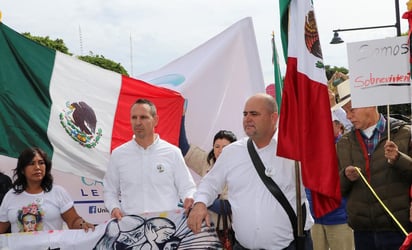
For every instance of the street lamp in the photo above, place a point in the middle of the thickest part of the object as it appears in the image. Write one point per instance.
(336, 38)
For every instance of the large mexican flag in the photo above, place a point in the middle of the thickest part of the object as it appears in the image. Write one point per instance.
(305, 122)
(75, 111)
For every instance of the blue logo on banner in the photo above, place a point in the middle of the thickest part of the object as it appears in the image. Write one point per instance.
(92, 209)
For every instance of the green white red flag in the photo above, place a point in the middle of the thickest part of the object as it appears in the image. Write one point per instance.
(75, 111)
(305, 123)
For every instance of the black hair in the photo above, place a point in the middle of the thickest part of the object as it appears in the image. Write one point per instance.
(25, 158)
(222, 134)
(153, 110)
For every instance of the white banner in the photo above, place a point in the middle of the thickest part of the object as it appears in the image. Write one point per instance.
(379, 72)
(216, 78)
(166, 230)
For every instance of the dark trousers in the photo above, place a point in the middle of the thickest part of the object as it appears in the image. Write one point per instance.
(370, 240)
(292, 246)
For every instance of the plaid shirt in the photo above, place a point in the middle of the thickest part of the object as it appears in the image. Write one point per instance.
(376, 135)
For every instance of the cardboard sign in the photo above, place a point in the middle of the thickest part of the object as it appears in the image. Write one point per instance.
(379, 72)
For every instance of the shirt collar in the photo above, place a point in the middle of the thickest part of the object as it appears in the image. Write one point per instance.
(156, 141)
(379, 127)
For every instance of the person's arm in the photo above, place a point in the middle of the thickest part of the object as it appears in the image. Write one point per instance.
(351, 173)
(67, 210)
(187, 204)
(75, 221)
(183, 142)
(398, 151)
(111, 189)
(347, 172)
(116, 213)
(195, 157)
(197, 215)
(184, 181)
(5, 185)
(4, 227)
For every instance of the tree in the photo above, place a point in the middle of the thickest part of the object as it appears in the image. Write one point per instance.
(331, 71)
(97, 60)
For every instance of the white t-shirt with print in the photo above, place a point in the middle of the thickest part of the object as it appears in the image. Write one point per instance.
(47, 206)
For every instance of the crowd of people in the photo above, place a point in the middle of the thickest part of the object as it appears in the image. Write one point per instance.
(148, 174)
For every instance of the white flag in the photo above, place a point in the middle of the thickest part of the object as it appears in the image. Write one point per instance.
(216, 78)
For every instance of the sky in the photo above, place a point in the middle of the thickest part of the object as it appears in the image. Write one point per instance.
(144, 35)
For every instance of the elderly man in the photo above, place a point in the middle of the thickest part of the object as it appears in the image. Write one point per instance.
(386, 165)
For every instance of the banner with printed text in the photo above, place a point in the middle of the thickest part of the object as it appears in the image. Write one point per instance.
(379, 72)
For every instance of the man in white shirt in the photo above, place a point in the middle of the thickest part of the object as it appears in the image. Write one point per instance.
(146, 174)
(259, 220)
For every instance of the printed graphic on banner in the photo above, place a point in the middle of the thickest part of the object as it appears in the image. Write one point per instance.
(165, 230)
(157, 232)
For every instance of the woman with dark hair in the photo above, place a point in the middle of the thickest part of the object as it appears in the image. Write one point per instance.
(202, 163)
(221, 140)
(220, 205)
(34, 194)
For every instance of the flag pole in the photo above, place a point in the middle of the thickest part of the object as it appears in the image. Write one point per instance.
(389, 127)
(278, 81)
(389, 124)
(299, 215)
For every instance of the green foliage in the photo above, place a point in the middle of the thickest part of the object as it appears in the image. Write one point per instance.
(97, 60)
(57, 44)
(102, 62)
(330, 71)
